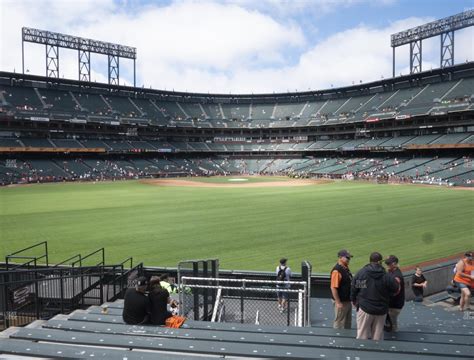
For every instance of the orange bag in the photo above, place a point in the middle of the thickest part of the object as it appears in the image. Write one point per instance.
(175, 321)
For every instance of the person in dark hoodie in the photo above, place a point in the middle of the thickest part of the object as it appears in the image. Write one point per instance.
(397, 301)
(136, 306)
(159, 299)
(371, 290)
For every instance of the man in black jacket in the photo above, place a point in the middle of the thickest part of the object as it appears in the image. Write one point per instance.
(370, 293)
(136, 306)
(397, 301)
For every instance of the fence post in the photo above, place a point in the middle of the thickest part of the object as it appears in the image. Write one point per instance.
(196, 293)
(61, 287)
(242, 302)
(6, 316)
(300, 309)
(288, 311)
(37, 305)
(205, 293)
(306, 270)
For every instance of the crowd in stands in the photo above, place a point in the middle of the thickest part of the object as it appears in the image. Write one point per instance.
(457, 172)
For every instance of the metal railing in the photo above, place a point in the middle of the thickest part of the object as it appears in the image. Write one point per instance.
(29, 294)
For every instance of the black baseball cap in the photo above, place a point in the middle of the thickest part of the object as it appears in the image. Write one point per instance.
(344, 253)
(468, 254)
(392, 259)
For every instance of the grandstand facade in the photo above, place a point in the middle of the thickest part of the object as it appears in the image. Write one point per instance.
(418, 127)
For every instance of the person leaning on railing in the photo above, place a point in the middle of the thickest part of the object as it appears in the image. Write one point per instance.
(418, 284)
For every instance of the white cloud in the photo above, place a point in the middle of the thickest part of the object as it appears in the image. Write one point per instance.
(211, 46)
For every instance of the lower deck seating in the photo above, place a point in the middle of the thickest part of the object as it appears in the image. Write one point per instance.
(89, 333)
(445, 170)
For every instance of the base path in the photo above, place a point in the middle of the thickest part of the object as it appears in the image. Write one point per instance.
(263, 184)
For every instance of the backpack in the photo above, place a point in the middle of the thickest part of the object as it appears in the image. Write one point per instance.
(281, 276)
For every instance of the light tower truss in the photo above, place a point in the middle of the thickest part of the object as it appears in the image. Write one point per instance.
(444, 27)
(53, 41)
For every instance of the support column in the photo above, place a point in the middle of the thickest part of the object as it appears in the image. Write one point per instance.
(447, 49)
(415, 56)
(52, 61)
(113, 70)
(84, 58)
(393, 61)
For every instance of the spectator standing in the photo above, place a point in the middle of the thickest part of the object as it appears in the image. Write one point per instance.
(283, 273)
(136, 307)
(370, 292)
(418, 284)
(341, 279)
(397, 301)
(464, 279)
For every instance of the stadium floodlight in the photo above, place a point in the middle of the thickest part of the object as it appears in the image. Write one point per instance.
(53, 41)
(444, 27)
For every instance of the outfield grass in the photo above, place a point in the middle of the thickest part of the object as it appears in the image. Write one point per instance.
(246, 228)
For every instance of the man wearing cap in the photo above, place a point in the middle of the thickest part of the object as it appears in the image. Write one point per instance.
(136, 306)
(397, 301)
(371, 289)
(464, 279)
(341, 279)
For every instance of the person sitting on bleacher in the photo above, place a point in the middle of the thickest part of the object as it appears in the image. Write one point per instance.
(136, 307)
(165, 284)
(159, 300)
(464, 279)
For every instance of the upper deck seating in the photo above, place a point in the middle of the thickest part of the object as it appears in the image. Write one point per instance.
(193, 110)
(239, 112)
(451, 138)
(66, 143)
(9, 142)
(422, 140)
(22, 98)
(30, 142)
(93, 103)
(122, 105)
(288, 111)
(262, 111)
(60, 101)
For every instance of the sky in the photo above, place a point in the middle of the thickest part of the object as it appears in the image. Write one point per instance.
(234, 46)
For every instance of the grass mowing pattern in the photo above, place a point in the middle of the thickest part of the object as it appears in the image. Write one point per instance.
(249, 228)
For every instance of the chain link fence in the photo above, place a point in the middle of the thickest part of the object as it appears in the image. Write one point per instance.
(244, 301)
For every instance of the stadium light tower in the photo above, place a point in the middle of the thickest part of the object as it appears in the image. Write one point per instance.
(53, 41)
(444, 27)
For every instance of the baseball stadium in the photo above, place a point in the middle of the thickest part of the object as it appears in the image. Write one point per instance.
(104, 183)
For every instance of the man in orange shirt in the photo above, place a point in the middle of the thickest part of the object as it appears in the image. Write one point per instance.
(341, 279)
(464, 279)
